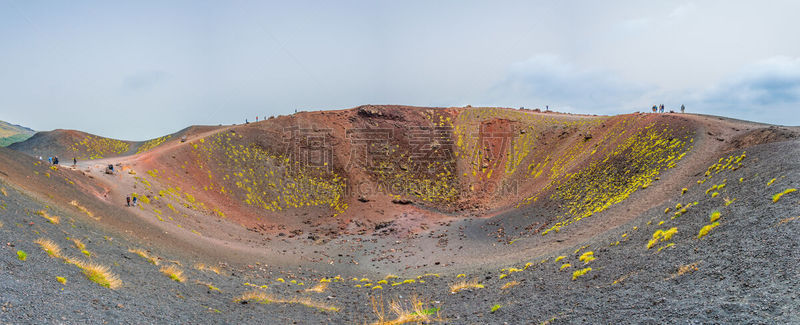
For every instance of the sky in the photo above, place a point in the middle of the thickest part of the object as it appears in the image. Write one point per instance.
(138, 70)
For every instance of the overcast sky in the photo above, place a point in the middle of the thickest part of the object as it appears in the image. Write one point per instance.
(142, 69)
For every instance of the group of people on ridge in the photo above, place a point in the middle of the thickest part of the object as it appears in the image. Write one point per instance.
(660, 108)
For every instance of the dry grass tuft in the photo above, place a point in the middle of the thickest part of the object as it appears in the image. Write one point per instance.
(81, 246)
(465, 285)
(264, 298)
(97, 273)
(78, 244)
(622, 278)
(319, 288)
(51, 219)
(253, 296)
(415, 313)
(685, 269)
(209, 285)
(173, 272)
(49, 246)
(101, 275)
(143, 254)
(786, 220)
(203, 267)
(83, 209)
(509, 285)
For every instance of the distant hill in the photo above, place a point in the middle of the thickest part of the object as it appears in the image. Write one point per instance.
(85, 146)
(12, 133)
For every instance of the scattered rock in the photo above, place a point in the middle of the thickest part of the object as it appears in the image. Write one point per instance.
(401, 201)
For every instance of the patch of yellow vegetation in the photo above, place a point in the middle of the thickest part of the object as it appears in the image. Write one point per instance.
(606, 181)
(706, 229)
(778, 196)
(661, 236)
(715, 216)
(271, 181)
(150, 144)
(587, 257)
(94, 147)
(579, 273)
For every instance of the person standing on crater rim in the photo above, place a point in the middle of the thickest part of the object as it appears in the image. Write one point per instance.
(683, 108)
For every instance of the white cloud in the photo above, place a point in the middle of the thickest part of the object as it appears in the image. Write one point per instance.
(682, 11)
(144, 79)
(766, 91)
(548, 80)
(635, 24)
